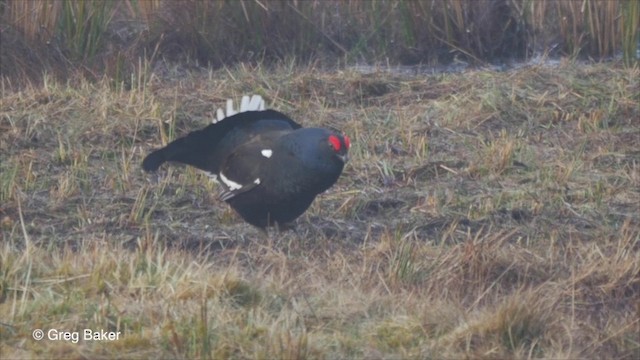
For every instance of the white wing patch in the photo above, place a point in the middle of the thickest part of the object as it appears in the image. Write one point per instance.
(234, 188)
(212, 176)
(267, 153)
(255, 103)
(232, 185)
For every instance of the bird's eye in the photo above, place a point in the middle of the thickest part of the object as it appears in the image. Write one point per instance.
(334, 142)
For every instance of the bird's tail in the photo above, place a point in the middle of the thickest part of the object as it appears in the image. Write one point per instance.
(153, 161)
(255, 103)
(193, 148)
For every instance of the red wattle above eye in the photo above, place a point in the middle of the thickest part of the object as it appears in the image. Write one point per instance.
(335, 142)
(347, 141)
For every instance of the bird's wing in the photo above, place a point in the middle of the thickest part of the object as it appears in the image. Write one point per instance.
(241, 171)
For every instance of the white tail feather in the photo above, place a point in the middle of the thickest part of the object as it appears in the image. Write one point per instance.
(255, 103)
(230, 111)
(244, 104)
(219, 115)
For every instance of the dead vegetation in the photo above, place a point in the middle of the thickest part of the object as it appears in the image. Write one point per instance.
(99, 37)
(483, 215)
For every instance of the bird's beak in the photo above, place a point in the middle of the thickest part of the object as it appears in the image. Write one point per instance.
(344, 158)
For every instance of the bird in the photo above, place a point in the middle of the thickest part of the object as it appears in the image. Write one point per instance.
(270, 168)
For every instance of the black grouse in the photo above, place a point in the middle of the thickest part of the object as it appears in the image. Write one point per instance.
(271, 169)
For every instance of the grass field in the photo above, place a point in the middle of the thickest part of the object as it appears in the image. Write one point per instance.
(482, 215)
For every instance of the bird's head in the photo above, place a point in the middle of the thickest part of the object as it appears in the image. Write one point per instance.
(340, 145)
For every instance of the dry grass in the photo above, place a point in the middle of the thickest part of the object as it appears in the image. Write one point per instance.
(483, 215)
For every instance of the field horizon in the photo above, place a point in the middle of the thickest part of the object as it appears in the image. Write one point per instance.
(483, 214)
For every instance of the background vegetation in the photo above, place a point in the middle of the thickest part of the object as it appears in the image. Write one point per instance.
(110, 36)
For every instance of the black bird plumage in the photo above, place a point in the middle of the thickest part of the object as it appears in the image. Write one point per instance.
(271, 169)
